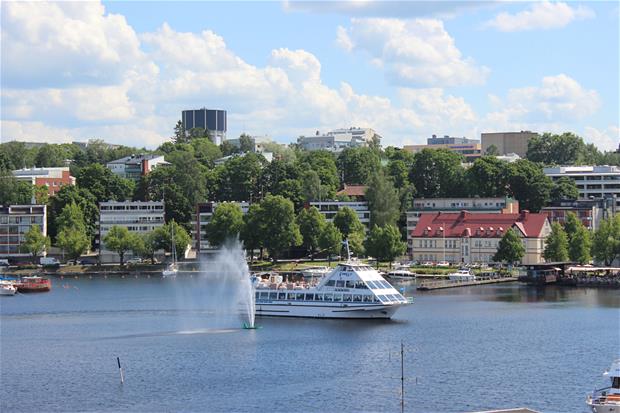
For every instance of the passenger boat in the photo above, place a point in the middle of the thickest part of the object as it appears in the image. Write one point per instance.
(401, 273)
(607, 399)
(33, 284)
(463, 274)
(351, 290)
(7, 288)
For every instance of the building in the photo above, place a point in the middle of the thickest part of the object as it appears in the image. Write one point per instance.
(258, 143)
(15, 221)
(138, 217)
(211, 120)
(592, 181)
(135, 166)
(330, 208)
(467, 238)
(589, 211)
(445, 205)
(202, 217)
(355, 192)
(507, 142)
(469, 148)
(53, 178)
(339, 139)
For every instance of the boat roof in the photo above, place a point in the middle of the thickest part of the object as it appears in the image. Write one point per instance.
(614, 370)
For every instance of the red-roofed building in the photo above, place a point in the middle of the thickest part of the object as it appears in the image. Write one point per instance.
(354, 191)
(468, 238)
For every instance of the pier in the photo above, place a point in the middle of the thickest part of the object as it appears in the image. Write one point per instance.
(441, 284)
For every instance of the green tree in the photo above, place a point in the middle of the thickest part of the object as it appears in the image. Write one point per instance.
(492, 151)
(104, 184)
(35, 242)
(205, 151)
(571, 224)
(399, 172)
(357, 164)
(278, 218)
(41, 194)
(510, 248)
(488, 177)
(324, 164)
(383, 201)
(579, 245)
(564, 188)
(529, 185)
(14, 192)
(228, 148)
(437, 173)
(347, 222)
(606, 241)
(226, 223)
(50, 156)
(71, 217)
(556, 244)
(548, 149)
(181, 238)
(330, 240)
(147, 244)
(311, 223)
(179, 133)
(385, 244)
(311, 186)
(74, 242)
(246, 143)
(253, 229)
(238, 179)
(120, 240)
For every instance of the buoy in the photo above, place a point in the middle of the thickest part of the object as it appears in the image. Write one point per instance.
(120, 369)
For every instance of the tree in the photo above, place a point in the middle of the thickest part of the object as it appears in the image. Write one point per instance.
(510, 248)
(311, 223)
(181, 238)
(41, 194)
(330, 240)
(385, 243)
(311, 186)
(488, 177)
(238, 179)
(492, 151)
(14, 192)
(571, 224)
(104, 184)
(71, 217)
(278, 219)
(253, 229)
(564, 188)
(564, 149)
(556, 244)
(383, 201)
(324, 164)
(399, 172)
(226, 223)
(228, 148)
(50, 156)
(357, 164)
(579, 245)
(146, 245)
(179, 133)
(528, 184)
(74, 242)
(246, 143)
(437, 173)
(205, 151)
(35, 242)
(606, 241)
(347, 222)
(120, 240)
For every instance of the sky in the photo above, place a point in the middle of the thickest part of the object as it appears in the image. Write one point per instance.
(124, 71)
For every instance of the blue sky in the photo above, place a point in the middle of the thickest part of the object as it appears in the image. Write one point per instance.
(123, 71)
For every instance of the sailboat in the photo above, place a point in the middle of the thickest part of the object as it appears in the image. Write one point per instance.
(172, 270)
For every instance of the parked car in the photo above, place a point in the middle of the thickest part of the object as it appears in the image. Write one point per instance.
(4, 263)
(427, 264)
(135, 260)
(443, 264)
(49, 262)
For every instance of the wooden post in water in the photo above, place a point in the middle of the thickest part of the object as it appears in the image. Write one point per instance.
(120, 369)
(402, 378)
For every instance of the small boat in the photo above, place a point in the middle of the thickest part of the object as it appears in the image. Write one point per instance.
(463, 274)
(33, 284)
(607, 399)
(7, 288)
(401, 273)
(314, 272)
(171, 270)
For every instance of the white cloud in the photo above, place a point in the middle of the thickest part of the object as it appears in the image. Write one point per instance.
(540, 16)
(606, 139)
(416, 52)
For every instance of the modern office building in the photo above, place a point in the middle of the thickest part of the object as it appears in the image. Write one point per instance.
(592, 181)
(330, 208)
(469, 148)
(450, 140)
(212, 120)
(446, 205)
(339, 139)
(589, 211)
(15, 221)
(138, 217)
(507, 142)
(465, 238)
(53, 178)
(135, 166)
(204, 213)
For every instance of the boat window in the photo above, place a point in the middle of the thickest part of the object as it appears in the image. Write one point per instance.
(350, 284)
(616, 383)
(360, 285)
(264, 295)
(383, 298)
(281, 296)
(376, 299)
(339, 283)
(329, 297)
(401, 297)
(256, 294)
(299, 296)
(368, 298)
(330, 283)
(393, 297)
(318, 297)
(357, 298)
(273, 296)
(385, 284)
(337, 297)
(309, 297)
(347, 297)
(372, 285)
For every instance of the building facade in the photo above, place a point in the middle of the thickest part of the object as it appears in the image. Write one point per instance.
(15, 222)
(53, 178)
(330, 208)
(212, 120)
(507, 142)
(339, 139)
(204, 213)
(593, 182)
(466, 238)
(138, 217)
(469, 148)
(445, 205)
(135, 166)
(589, 211)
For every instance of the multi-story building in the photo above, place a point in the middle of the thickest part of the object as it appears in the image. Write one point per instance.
(330, 208)
(135, 166)
(211, 120)
(473, 238)
(589, 211)
(469, 148)
(138, 217)
(204, 213)
(592, 181)
(258, 143)
(53, 178)
(507, 142)
(339, 139)
(445, 205)
(15, 221)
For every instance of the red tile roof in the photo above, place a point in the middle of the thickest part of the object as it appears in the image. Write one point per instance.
(476, 225)
(353, 190)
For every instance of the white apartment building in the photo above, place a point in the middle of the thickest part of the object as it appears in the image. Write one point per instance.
(135, 166)
(138, 217)
(444, 205)
(204, 213)
(592, 181)
(15, 222)
(339, 139)
(330, 208)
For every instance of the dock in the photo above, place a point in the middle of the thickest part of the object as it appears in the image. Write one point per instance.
(440, 284)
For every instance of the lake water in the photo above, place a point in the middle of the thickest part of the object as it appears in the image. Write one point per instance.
(466, 349)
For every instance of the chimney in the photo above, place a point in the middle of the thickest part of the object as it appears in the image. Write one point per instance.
(524, 214)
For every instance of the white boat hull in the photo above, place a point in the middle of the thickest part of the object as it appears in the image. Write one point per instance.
(604, 408)
(316, 310)
(9, 290)
(169, 273)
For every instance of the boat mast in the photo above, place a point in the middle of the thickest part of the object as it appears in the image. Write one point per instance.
(402, 378)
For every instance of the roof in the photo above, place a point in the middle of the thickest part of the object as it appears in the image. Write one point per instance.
(353, 190)
(134, 159)
(467, 224)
